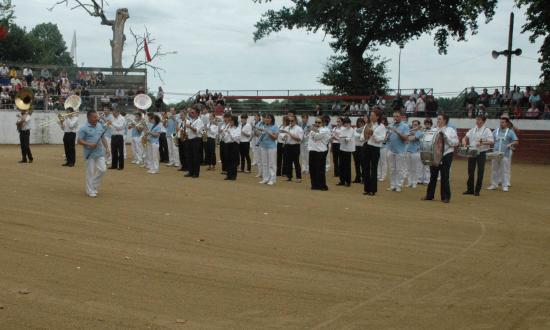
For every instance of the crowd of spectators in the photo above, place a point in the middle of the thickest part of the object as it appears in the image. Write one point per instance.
(517, 104)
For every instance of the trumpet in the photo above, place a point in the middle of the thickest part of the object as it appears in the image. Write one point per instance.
(72, 102)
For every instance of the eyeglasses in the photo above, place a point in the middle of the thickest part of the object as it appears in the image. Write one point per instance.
(318, 122)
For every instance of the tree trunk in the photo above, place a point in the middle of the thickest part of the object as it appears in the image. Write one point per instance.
(356, 63)
(117, 44)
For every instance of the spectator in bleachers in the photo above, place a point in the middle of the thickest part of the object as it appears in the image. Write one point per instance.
(495, 100)
(517, 113)
(431, 107)
(45, 74)
(546, 113)
(414, 94)
(517, 96)
(4, 71)
(364, 109)
(13, 73)
(420, 110)
(484, 98)
(28, 75)
(160, 99)
(472, 97)
(533, 112)
(410, 106)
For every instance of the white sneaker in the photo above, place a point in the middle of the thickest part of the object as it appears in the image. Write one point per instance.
(381, 180)
(152, 172)
(505, 189)
(398, 189)
(413, 186)
(92, 195)
(270, 183)
(491, 187)
(169, 164)
(263, 182)
(390, 189)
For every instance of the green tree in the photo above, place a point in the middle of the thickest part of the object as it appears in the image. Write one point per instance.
(372, 74)
(48, 45)
(6, 13)
(538, 24)
(17, 46)
(356, 26)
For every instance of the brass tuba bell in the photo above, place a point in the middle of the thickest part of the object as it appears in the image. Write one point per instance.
(24, 99)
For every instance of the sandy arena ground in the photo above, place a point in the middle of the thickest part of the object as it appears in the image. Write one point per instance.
(163, 251)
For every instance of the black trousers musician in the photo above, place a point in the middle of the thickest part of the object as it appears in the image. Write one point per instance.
(335, 149)
(163, 149)
(317, 170)
(473, 163)
(370, 169)
(210, 154)
(231, 159)
(24, 140)
(444, 169)
(280, 157)
(194, 157)
(117, 152)
(244, 152)
(291, 158)
(69, 139)
(358, 162)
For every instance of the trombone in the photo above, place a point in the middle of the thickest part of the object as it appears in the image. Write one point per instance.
(72, 102)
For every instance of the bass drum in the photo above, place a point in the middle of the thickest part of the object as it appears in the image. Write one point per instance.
(431, 148)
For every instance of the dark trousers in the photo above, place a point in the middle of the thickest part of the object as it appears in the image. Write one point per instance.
(203, 152)
(222, 156)
(210, 157)
(317, 169)
(182, 148)
(117, 151)
(445, 169)
(291, 157)
(358, 160)
(194, 156)
(335, 158)
(280, 156)
(244, 151)
(232, 159)
(69, 139)
(344, 160)
(478, 162)
(370, 168)
(163, 149)
(24, 140)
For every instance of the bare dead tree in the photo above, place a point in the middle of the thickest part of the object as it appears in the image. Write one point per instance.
(139, 60)
(95, 8)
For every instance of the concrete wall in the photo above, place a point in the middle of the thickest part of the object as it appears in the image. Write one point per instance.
(54, 135)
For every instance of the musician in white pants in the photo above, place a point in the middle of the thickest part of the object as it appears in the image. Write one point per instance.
(137, 147)
(254, 142)
(424, 170)
(153, 155)
(108, 117)
(505, 139)
(92, 137)
(304, 152)
(173, 150)
(397, 154)
(414, 165)
(268, 149)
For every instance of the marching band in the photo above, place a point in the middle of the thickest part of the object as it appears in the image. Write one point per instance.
(419, 154)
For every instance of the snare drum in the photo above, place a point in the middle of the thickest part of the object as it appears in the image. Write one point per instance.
(495, 155)
(431, 148)
(468, 152)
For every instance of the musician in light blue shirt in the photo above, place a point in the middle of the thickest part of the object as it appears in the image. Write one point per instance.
(173, 150)
(153, 134)
(268, 150)
(397, 148)
(96, 147)
(414, 164)
(505, 139)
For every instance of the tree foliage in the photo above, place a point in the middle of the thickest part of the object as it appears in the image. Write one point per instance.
(356, 26)
(17, 46)
(7, 12)
(48, 45)
(538, 24)
(373, 74)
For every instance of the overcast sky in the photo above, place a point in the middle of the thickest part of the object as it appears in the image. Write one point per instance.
(213, 39)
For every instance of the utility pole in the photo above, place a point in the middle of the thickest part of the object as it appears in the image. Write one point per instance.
(401, 46)
(508, 53)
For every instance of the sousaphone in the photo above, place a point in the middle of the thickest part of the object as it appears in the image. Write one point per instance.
(143, 102)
